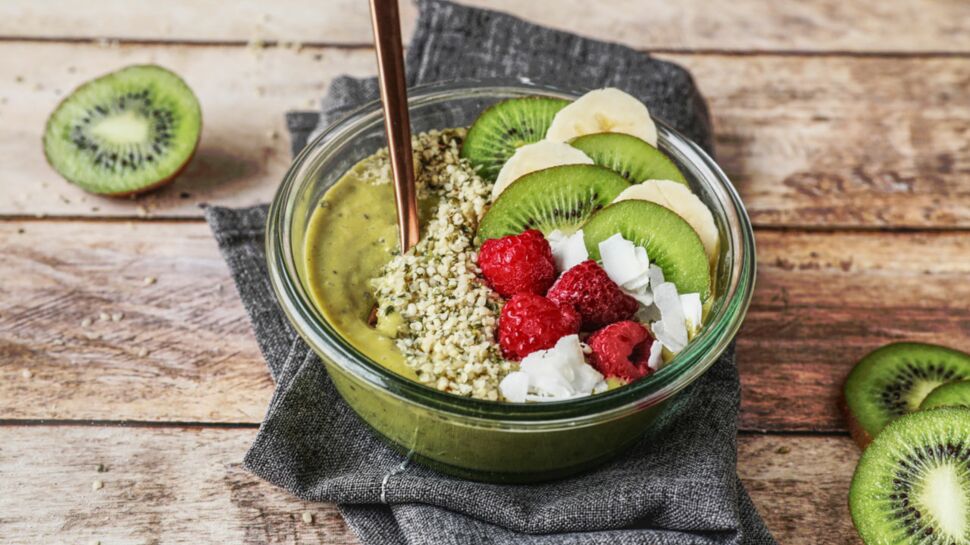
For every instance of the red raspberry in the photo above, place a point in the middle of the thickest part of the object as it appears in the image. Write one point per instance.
(531, 322)
(518, 264)
(597, 298)
(621, 350)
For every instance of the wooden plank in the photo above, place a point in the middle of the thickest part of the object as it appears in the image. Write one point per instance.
(822, 25)
(809, 141)
(187, 486)
(822, 300)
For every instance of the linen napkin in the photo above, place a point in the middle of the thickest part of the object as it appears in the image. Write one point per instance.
(678, 486)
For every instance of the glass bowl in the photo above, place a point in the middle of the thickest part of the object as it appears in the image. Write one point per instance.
(489, 440)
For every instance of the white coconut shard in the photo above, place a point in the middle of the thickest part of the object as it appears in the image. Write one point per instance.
(671, 329)
(515, 386)
(655, 360)
(693, 310)
(567, 250)
(560, 372)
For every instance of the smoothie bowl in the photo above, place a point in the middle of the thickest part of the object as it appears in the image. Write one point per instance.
(531, 333)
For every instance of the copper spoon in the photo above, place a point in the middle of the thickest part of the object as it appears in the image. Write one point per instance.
(397, 123)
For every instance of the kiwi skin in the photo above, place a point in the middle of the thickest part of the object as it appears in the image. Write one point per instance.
(141, 190)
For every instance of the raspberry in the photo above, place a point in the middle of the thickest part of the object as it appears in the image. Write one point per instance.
(597, 298)
(531, 322)
(621, 350)
(518, 264)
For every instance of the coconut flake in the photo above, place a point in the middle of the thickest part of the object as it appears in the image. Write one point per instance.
(693, 310)
(656, 275)
(671, 330)
(620, 260)
(655, 360)
(515, 386)
(567, 250)
(560, 372)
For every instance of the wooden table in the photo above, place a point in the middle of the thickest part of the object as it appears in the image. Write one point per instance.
(132, 385)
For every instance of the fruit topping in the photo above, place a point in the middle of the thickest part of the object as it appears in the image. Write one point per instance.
(518, 264)
(951, 394)
(567, 250)
(623, 350)
(670, 241)
(603, 110)
(628, 266)
(560, 372)
(537, 156)
(126, 132)
(505, 127)
(560, 197)
(590, 291)
(530, 322)
(629, 156)
(680, 199)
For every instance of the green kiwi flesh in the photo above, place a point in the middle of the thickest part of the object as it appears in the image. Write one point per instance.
(893, 380)
(912, 485)
(631, 157)
(562, 197)
(125, 132)
(952, 394)
(670, 241)
(506, 126)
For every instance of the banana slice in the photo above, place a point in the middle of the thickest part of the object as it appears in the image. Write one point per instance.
(603, 110)
(678, 197)
(537, 156)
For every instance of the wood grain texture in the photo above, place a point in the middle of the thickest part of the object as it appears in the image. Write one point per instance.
(187, 486)
(809, 141)
(822, 301)
(908, 26)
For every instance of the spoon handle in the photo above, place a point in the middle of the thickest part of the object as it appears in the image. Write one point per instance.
(397, 123)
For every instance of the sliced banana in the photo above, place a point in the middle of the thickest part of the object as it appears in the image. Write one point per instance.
(537, 156)
(678, 198)
(603, 110)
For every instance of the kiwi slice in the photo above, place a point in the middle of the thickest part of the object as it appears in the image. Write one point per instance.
(506, 126)
(126, 132)
(952, 394)
(562, 197)
(631, 157)
(912, 484)
(893, 380)
(670, 241)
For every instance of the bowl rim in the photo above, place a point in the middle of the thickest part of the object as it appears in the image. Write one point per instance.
(723, 322)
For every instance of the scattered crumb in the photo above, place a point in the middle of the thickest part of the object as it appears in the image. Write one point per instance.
(274, 134)
(307, 517)
(26, 374)
(100, 468)
(142, 210)
(19, 79)
(97, 485)
(142, 352)
(21, 230)
(783, 450)
(318, 56)
(104, 317)
(95, 208)
(64, 199)
(185, 195)
(86, 322)
(117, 316)
(149, 280)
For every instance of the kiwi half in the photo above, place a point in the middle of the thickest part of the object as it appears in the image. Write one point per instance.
(506, 126)
(126, 132)
(912, 484)
(952, 394)
(893, 380)
(670, 241)
(562, 197)
(631, 157)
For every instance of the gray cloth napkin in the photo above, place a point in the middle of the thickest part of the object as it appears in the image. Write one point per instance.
(678, 486)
